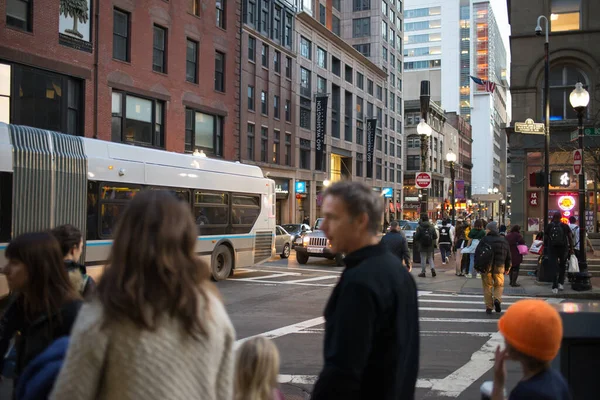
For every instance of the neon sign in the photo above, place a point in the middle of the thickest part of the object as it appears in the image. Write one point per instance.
(566, 203)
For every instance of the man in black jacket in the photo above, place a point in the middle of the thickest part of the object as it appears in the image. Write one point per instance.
(397, 244)
(500, 263)
(559, 243)
(371, 319)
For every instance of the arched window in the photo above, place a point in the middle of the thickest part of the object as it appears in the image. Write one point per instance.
(562, 82)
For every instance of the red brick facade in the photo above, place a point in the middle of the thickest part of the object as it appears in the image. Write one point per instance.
(41, 49)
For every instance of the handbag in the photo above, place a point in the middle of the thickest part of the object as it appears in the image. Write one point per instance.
(522, 249)
(573, 264)
(536, 247)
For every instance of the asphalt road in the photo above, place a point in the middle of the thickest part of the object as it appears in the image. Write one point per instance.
(285, 301)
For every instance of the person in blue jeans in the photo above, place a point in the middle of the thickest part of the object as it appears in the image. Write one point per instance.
(477, 233)
(425, 237)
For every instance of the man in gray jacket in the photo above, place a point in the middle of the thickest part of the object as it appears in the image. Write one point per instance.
(425, 238)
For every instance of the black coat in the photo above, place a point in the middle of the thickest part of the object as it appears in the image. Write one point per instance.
(501, 249)
(398, 245)
(371, 331)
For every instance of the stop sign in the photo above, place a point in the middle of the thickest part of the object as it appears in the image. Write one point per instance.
(423, 180)
(577, 161)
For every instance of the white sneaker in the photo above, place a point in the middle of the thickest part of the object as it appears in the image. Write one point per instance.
(555, 291)
(478, 276)
(560, 287)
(469, 276)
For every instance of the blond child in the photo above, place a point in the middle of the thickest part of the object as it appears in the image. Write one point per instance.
(256, 370)
(532, 332)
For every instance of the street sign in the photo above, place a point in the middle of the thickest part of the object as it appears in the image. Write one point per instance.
(387, 192)
(423, 180)
(591, 131)
(529, 127)
(574, 135)
(577, 161)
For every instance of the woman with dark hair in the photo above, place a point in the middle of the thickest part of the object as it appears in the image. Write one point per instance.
(157, 328)
(460, 240)
(46, 304)
(515, 238)
(71, 245)
(475, 235)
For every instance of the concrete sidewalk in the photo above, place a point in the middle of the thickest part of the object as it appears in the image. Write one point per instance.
(447, 281)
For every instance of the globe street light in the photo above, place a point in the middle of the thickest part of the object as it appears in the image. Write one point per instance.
(451, 158)
(538, 31)
(424, 129)
(579, 99)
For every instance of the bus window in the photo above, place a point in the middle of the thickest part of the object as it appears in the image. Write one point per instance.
(92, 211)
(108, 218)
(114, 197)
(5, 206)
(244, 211)
(110, 192)
(211, 211)
(181, 194)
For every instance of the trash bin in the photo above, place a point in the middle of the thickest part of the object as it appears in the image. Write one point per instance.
(579, 357)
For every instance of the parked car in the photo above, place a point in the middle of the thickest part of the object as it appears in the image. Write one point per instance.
(409, 228)
(316, 244)
(297, 231)
(283, 242)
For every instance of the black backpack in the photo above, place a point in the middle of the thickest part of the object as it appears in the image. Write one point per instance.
(426, 238)
(557, 235)
(445, 235)
(484, 256)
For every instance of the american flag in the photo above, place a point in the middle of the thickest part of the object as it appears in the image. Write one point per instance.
(488, 85)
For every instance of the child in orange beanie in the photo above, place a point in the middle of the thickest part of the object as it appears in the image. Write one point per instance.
(532, 331)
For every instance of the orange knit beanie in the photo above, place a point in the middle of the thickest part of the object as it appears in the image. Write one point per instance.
(534, 328)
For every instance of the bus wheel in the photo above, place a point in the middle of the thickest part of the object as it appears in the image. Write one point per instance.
(302, 258)
(221, 263)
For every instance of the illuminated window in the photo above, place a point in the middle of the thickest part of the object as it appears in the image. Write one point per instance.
(565, 15)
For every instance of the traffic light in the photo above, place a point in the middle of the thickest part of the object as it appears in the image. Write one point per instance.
(560, 178)
(537, 179)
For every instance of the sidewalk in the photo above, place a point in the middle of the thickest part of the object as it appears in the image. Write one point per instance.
(446, 281)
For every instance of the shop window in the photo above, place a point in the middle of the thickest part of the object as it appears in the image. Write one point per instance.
(137, 120)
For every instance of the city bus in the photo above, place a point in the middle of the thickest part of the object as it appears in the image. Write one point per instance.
(48, 179)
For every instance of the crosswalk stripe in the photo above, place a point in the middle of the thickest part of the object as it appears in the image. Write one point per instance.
(275, 275)
(311, 379)
(479, 296)
(445, 309)
(435, 333)
(317, 278)
(422, 300)
(460, 320)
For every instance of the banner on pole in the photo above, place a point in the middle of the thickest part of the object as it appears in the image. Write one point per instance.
(320, 128)
(459, 189)
(371, 127)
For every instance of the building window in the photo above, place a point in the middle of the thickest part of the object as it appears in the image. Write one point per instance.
(251, 19)
(565, 15)
(359, 133)
(191, 61)
(359, 164)
(379, 93)
(219, 71)
(19, 14)
(413, 163)
(120, 35)
(276, 31)
(136, 120)
(264, 18)
(361, 27)
(360, 103)
(250, 142)
(336, 66)
(370, 87)
(384, 8)
(378, 140)
(264, 103)
(276, 153)
(361, 5)
(392, 168)
(288, 111)
(348, 73)
(321, 58)
(196, 7)
(335, 25)
(321, 85)
(264, 140)
(384, 30)
(288, 30)
(348, 116)
(305, 47)
(562, 82)
(360, 81)
(305, 154)
(384, 53)
(399, 103)
(5, 84)
(378, 168)
(276, 108)
(221, 14)
(369, 110)
(204, 132)
(392, 147)
(159, 63)
(305, 86)
(250, 98)
(277, 61)
(336, 5)
(251, 48)
(305, 111)
(321, 14)
(265, 55)
(288, 148)
(364, 49)
(288, 67)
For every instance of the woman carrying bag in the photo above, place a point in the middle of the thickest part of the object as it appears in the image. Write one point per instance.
(517, 247)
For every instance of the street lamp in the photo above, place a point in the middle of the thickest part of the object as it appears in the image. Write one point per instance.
(503, 205)
(451, 158)
(326, 183)
(579, 99)
(424, 131)
(538, 31)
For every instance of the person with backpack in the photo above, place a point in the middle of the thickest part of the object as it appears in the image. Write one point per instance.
(446, 240)
(558, 241)
(492, 259)
(397, 244)
(425, 236)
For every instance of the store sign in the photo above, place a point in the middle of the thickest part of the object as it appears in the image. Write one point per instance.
(388, 192)
(300, 187)
(534, 199)
(282, 188)
(411, 199)
(74, 24)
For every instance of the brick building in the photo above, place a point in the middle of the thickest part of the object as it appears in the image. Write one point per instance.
(125, 71)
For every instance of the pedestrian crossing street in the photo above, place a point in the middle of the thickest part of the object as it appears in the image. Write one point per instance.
(458, 338)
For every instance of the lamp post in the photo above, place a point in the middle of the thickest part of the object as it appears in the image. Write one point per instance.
(424, 131)
(538, 31)
(451, 158)
(579, 99)
(503, 205)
